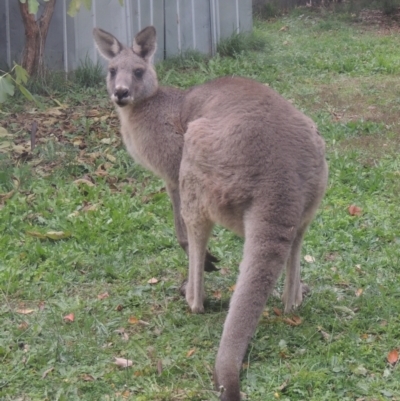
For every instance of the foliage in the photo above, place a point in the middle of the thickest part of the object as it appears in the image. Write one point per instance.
(88, 74)
(241, 42)
(17, 77)
(73, 302)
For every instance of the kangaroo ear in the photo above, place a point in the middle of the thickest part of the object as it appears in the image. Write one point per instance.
(145, 43)
(106, 43)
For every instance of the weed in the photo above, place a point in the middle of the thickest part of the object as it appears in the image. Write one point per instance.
(241, 43)
(88, 74)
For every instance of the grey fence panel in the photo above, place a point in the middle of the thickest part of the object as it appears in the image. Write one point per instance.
(245, 15)
(15, 37)
(54, 50)
(147, 12)
(188, 26)
(181, 25)
(3, 35)
(235, 16)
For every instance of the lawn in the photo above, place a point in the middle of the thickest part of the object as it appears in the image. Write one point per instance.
(90, 267)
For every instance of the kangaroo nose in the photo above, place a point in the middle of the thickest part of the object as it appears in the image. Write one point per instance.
(121, 93)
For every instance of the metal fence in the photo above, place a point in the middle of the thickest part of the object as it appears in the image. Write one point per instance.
(181, 25)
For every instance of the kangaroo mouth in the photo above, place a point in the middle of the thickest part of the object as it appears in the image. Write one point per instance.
(122, 102)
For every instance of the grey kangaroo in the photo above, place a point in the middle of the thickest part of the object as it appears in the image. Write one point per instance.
(233, 152)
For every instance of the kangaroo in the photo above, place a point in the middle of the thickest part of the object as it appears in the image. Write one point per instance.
(234, 152)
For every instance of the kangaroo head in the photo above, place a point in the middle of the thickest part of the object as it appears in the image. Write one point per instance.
(131, 76)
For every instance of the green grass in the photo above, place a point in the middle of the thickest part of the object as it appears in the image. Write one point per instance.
(119, 234)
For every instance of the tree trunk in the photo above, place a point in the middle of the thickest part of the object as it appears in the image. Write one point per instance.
(35, 36)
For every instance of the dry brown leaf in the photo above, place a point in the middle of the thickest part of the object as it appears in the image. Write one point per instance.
(217, 294)
(111, 158)
(293, 321)
(190, 352)
(354, 210)
(224, 271)
(69, 318)
(46, 372)
(153, 280)
(122, 333)
(122, 362)
(324, 335)
(92, 113)
(159, 367)
(232, 288)
(103, 296)
(359, 292)
(25, 311)
(284, 28)
(119, 308)
(309, 259)
(133, 320)
(84, 181)
(23, 326)
(393, 357)
(277, 311)
(87, 378)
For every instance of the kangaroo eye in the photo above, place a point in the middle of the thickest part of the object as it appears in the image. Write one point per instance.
(138, 73)
(112, 71)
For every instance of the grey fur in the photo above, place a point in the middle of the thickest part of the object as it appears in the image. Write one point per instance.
(232, 152)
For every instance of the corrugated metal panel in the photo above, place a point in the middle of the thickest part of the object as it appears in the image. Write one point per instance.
(4, 38)
(144, 13)
(181, 25)
(187, 26)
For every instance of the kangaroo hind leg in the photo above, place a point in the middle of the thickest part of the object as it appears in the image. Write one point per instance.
(198, 234)
(265, 255)
(294, 288)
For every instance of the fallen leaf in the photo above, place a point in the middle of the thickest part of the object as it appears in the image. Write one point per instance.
(284, 28)
(69, 318)
(309, 259)
(119, 308)
(133, 320)
(90, 208)
(122, 362)
(359, 292)
(25, 311)
(224, 271)
(277, 311)
(152, 281)
(87, 378)
(354, 210)
(324, 335)
(232, 288)
(159, 367)
(36, 234)
(112, 158)
(46, 372)
(293, 321)
(344, 309)
(4, 133)
(360, 371)
(23, 326)
(92, 113)
(393, 356)
(103, 296)
(56, 235)
(217, 294)
(190, 352)
(80, 181)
